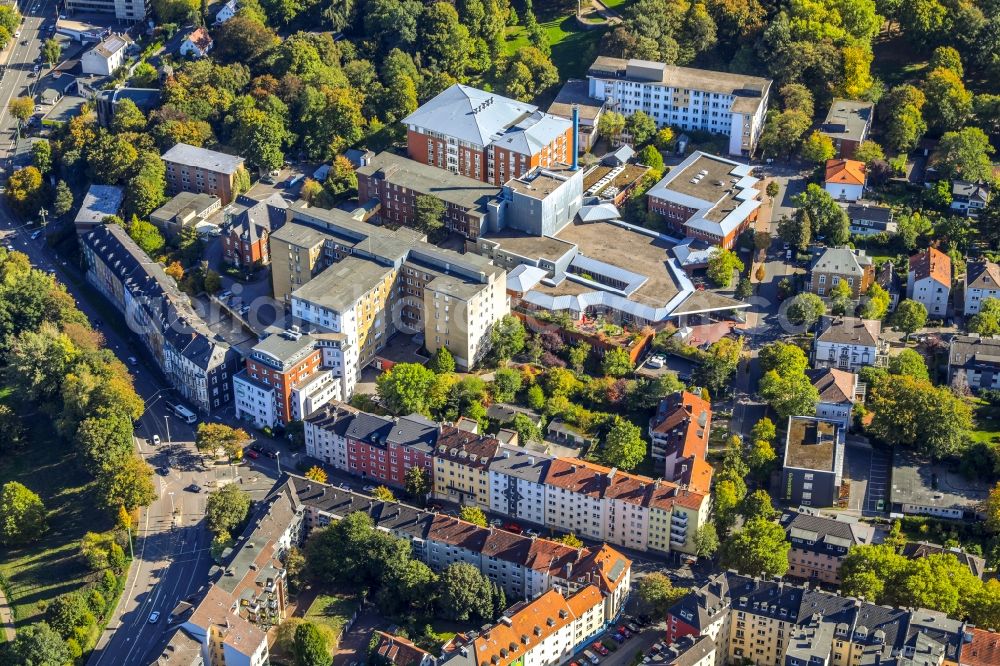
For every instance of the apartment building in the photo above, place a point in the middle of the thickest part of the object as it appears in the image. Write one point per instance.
(707, 197)
(461, 466)
(106, 57)
(517, 484)
(773, 623)
(288, 376)
(820, 543)
(626, 509)
(813, 466)
(124, 10)
(832, 265)
(197, 364)
(247, 596)
(193, 169)
(975, 361)
(929, 280)
(847, 123)
(542, 632)
(369, 283)
(379, 448)
(982, 281)
(838, 391)
(485, 136)
(396, 182)
(849, 343)
(734, 105)
(247, 225)
(524, 567)
(679, 433)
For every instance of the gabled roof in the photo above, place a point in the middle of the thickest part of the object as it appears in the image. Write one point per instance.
(983, 650)
(850, 330)
(599, 482)
(834, 386)
(982, 274)
(399, 651)
(200, 38)
(841, 532)
(842, 261)
(845, 172)
(978, 191)
(931, 263)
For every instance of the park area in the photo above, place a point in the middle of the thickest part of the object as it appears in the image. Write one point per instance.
(573, 47)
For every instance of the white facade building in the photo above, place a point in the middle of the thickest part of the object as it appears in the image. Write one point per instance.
(106, 57)
(929, 281)
(848, 343)
(227, 12)
(255, 402)
(517, 487)
(982, 281)
(690, 99)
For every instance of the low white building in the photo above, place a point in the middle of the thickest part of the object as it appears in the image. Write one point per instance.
(227, 12)
(197, 44)
(982, 281)
(849, 343)
(929, 281)
(838, 390)
(106, 57)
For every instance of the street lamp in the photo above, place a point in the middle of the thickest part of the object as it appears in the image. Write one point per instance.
(166, 419)
(42, 213)
(277, 458)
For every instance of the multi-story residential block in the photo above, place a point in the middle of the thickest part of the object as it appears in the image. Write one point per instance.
(868, 218)
(130, 11)
(974, 361)
(193, 169)
(813, 466)
(369, 283)
(246, 227)
(845, 179)
(524, 567)
(485, 136)
(461, 466)
(969, 198)
(379, 448)
(734, 105)
(396, 182)
(820, 543)
(847, 123)
(627, 509)
(288, 376)
(517, 484)
(848, 343)
(247, 596)
(106, 57)
(838, 391)
(832, 265)
(543, 632)
(768, 622)
(929, 280)
(186, 209)
(679, 432)
(982, 281)
(198, 365)
(710, 198)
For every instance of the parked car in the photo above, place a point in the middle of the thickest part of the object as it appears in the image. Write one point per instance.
(623, 630)
(256, 447)
(193, 488)
(163, 471)
(271, 453)
(618, 638)
(36, 234)
(132, 360)
(369, 488)
(599, 649)
(631, 627)
(513, 527)
(156, 440)
(250, 453)
(594, 659)
(656, 361)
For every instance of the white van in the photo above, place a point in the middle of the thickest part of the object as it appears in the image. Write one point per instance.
(594, 659)
(185, 414)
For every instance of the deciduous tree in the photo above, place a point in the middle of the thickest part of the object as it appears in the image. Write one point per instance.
(624, 447)
(473, 514)
(758, 549)
(721, 265)
(465, 593)
(22, 514)
(227, 509)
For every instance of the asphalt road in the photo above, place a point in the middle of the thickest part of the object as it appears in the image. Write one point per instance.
(19, 59)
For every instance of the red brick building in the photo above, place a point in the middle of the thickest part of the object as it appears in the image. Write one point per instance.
(383, 449)
(247, 226)
(194, 169)
(484, 136)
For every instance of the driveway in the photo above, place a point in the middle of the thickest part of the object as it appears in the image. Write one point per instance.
(626, 652)
(353, 646)
(868, 473)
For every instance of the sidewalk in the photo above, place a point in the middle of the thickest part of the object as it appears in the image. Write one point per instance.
(6, 618)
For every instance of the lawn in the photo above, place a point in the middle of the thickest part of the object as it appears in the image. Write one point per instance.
(986, 418)
(37, 574)
(573, 48)
(332, 611)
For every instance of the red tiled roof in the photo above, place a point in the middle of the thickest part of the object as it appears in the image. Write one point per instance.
(398, 650)
(932, 263)
(845, 172)
(201, 39)
(597, 481)
(464, 447)
(984, 650)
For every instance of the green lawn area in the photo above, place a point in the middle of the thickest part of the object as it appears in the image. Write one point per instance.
(617, 4)
(332, 611)
(987, 422)
(897, 61)
(573, 48)
(37, 574)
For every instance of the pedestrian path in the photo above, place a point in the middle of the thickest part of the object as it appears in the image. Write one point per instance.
(6, 618)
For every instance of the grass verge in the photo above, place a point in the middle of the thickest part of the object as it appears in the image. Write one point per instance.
(573, 48)
(332, 611)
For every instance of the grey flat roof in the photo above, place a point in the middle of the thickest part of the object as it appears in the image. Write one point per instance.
(425, 179)
(99, 202)
(299, 234)
(342, 284)
(847, 119)
(202, 158)
(927, 484)
(576, 92)
(519, 463)
(199, 201)
(282, 347)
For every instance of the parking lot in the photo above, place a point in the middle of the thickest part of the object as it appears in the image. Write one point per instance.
(626, 652)
(868, 473)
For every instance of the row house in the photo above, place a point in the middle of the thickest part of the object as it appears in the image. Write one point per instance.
(525, 567)
(197, 363)
(461, 466)
(767, 622)
(820, 543)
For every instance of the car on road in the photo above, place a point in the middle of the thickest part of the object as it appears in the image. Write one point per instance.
(156, 440)
(256, 447)
(36, 234)
(369, 489)
(244, 310)
(17, 33)
(618, 637)
(631, 627)
(624, 631)
(193, 488)
(224, 295)
(154, 617)
(163, 471)
(513, 527)
(270, 453)
(250, 453)
(132, 360)
(599, 649)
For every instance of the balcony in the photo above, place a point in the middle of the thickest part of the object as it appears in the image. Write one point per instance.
(679, 519)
